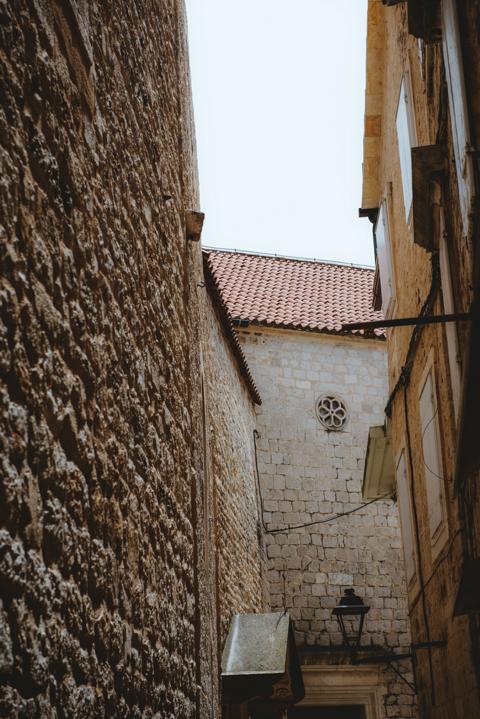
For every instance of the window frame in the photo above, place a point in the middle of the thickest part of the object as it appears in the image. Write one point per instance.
(384, 257)
(458, 108)
(405, 92)
(406, 518)
(439, 535)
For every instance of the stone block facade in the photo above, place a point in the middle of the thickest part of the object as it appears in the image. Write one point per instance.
(233, 550)
(432, 278)
(105, 578)
(307, 475)
(231, 424)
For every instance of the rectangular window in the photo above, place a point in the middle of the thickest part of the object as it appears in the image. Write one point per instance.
(452, 56)
(432, 457)
(406, 140)
(384, 259)
(405, 508)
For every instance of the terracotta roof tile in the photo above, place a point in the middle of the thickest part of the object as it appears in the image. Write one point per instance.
(229, 329)
(298, 294)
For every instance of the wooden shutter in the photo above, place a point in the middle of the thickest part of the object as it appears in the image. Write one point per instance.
(405, 507)
(382, 243)
(433, 470)
(405, 139)
(452, 56)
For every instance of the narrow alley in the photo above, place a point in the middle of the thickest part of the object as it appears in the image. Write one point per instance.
(234, 484)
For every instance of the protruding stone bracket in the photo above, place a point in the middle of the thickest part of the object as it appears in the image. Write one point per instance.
(194, 224)
(428, 163)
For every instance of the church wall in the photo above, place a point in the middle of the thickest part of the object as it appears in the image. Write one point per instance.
(308, 474)
(433, 275)
(233, 553)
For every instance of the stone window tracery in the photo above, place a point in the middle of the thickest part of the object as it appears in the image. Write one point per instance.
(332, 412)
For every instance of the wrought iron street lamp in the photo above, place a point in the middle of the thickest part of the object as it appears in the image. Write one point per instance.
(350, 613)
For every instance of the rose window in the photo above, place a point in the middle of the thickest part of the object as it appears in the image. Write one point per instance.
(332, 413)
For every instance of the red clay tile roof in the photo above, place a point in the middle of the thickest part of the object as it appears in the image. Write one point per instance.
(229, 330)
(292, 293)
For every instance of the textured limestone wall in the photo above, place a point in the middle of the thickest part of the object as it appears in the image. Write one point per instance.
(98, 362)
(450, 685)
(233, 512)
(308, 473)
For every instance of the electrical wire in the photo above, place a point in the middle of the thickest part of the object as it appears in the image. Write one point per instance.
(291, 527)
(257, 474)
(442, 479)
(426, 309)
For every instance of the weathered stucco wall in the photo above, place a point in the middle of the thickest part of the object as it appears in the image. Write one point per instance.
(308, 474)
(98, 361)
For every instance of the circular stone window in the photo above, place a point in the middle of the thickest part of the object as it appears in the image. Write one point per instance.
(332, 412)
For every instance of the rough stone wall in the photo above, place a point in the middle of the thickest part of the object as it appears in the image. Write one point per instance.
(449, 686)
(98, 361)
(232, 480)
(231, 555)
(308, 474)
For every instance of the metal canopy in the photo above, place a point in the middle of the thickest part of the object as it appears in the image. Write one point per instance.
(260, 660)
(256, 644)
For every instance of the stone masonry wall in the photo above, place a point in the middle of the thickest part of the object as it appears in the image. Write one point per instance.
(98, 362)
(448, 685)
(308, 473)
(233, 516)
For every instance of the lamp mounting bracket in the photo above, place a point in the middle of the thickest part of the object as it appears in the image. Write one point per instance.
(390, 657)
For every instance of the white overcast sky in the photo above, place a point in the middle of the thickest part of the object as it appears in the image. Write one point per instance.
(278, 89)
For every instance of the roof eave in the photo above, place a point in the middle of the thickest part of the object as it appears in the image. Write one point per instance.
(355, 334)
(374, 88)
(229, 330)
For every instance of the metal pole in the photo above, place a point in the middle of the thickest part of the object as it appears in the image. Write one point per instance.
(405, 321)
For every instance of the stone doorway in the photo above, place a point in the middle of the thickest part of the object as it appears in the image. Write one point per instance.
(341, 691)
(327, 712)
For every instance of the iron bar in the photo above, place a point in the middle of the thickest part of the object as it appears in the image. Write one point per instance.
(403, 678)
(405, 321)
(382, 658)
(428, 645)
(390, 658)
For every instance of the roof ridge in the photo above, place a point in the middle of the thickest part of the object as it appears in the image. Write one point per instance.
(312, 260)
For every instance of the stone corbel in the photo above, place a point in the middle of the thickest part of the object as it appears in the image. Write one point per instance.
(429, 164)
(194, 224)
